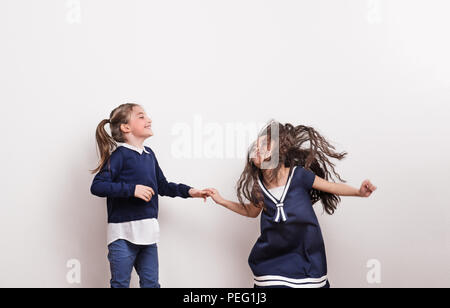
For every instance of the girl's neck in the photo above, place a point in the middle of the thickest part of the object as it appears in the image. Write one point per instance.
(280, 180)
(135, 141)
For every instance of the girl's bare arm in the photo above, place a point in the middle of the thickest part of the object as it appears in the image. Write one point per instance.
(249, 210)
(342, 189)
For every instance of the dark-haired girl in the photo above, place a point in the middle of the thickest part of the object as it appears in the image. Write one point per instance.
(287, 171)
(130, 177)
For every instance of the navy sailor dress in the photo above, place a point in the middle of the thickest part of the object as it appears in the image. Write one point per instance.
(290, 251)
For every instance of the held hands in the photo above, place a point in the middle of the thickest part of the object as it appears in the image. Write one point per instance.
(196, 193)
(207, 192)
(367, 188)
(215, 195)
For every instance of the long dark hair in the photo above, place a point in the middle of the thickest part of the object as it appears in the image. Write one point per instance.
(107, 143)
(296, 146)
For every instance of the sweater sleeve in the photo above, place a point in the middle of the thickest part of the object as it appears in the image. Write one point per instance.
(104, 184)
(169, 189)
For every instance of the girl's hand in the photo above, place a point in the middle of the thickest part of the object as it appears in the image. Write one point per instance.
(144, 192)
(214, 194)
(367, 188)
(195, 193)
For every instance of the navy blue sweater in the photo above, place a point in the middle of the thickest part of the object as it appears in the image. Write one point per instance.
(117, 181)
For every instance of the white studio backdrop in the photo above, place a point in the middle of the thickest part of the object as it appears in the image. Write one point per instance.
(372, 76)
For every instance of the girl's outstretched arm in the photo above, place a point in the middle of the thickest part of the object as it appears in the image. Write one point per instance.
(341, 189)
(249, 210)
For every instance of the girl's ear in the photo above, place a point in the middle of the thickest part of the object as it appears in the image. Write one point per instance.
(125, 128)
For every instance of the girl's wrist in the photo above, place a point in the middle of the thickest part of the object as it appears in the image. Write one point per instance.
(222, 202)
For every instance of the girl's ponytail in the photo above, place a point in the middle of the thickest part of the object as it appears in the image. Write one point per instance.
(105, 143)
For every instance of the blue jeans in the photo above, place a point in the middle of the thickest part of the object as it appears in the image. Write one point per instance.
(123, 256)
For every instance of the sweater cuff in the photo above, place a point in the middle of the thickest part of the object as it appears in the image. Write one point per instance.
(185, 191)
(132, 189)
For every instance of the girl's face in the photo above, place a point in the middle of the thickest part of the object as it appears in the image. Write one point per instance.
(140, 125)
(260, 151)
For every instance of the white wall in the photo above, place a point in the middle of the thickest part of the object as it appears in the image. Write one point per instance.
(373, 76)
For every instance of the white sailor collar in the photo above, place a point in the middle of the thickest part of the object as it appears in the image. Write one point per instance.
(279, 203)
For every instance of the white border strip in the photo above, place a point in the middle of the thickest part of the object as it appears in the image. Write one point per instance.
(292, 280)
(287, 284)
(267, 193)
(288, 184)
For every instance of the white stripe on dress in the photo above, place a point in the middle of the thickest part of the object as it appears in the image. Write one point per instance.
(288, 284)
(293, 280)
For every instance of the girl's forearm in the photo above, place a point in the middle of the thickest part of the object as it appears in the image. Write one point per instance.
(342, 189)
(235, 207)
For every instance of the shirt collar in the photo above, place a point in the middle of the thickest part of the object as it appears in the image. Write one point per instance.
(131, 147)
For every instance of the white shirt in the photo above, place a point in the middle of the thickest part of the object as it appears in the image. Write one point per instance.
(277, 192)
(139, 232)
